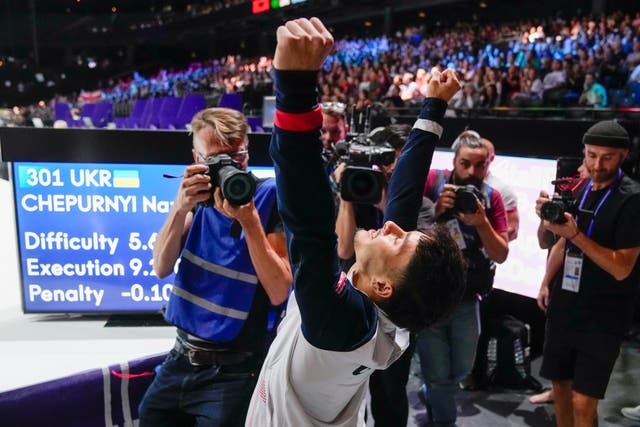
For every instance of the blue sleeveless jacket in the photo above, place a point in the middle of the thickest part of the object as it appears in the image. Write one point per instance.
(216, 281)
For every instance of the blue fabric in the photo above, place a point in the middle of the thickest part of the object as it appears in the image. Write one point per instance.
(446, 355)
(200, 396)
(229, 252)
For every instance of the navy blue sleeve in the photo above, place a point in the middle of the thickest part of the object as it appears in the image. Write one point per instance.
(408, 179)
(335, 316)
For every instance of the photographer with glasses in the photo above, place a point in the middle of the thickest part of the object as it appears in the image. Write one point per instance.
(233, 276)
(334, 124)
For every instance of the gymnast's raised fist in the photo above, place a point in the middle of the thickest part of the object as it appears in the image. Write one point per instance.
(303, 45)
(442, 85)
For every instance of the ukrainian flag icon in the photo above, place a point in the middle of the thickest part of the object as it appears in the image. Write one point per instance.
(126, 178)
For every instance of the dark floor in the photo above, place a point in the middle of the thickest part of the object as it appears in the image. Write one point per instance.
(512, 408)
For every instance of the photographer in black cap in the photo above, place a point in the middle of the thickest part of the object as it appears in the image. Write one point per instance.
(590, 284)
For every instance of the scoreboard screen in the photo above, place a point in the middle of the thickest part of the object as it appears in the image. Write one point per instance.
(260, 6)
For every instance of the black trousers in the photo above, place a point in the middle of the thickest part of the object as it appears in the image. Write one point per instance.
(388, 389)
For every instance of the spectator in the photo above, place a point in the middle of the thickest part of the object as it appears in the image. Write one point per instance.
(554, 84)
(594, 94)
(531, 90)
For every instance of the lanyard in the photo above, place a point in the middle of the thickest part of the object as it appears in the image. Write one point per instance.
(604, 198)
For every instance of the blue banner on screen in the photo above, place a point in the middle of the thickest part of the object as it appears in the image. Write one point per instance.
(86, 235)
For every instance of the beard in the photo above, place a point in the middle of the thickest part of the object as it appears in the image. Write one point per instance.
(602, 175)
(471, 180)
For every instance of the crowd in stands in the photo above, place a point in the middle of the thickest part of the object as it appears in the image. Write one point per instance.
(582, 61)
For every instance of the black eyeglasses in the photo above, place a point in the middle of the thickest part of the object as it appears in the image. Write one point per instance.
(239, 156)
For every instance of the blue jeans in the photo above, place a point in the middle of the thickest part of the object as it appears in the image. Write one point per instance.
(211, 396)
(446, 357)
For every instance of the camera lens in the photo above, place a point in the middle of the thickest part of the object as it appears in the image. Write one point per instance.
(553, 212)
(361, 185)
(237, 186)
(466, 202)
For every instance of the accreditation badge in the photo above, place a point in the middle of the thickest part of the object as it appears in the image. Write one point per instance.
(456, 233)
(572, 272)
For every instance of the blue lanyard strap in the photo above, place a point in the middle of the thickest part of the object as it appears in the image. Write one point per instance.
(602, 200)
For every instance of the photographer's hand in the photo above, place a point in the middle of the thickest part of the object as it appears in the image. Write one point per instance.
(569, 230)
(337, 173)
(476, 219)
(243, 214)
(446, 200)
(543, 198)
(495, 244)
(194, 188)
(543, 297)
(303, 45)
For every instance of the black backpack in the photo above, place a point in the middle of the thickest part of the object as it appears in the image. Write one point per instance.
(505, 352)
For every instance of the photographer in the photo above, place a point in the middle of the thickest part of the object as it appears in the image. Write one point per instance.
(590, 283)
(341, 326)
(233, 275)
(546, 239)
(352, 216)
(334, 125)
(475, 216)
(389, 404)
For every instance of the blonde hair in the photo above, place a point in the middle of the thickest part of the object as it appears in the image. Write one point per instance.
(229, 126)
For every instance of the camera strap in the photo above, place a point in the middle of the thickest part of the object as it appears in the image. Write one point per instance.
(612, 186)
(573, 260)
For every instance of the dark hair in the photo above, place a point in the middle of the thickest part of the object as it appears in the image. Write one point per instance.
(395, 135)
(432, 284)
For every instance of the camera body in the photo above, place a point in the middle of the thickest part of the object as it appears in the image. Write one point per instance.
(467, 197)
(553, 210)
(367, 155)
(360, 182)
(236, 185)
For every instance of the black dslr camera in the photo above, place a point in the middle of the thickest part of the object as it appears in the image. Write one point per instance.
(360, 183)
(553, 210)
(236, 185)
(467, 197)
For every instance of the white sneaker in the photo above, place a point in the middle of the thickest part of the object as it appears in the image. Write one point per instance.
(631, 413)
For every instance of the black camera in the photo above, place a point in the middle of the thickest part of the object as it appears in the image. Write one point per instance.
(361, 154)
(467, 197)
(553, 210)
(236, 185)
(360, 183)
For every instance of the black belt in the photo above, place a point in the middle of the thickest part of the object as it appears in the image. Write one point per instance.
(199, 356)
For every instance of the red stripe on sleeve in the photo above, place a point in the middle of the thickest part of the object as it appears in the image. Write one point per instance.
(340, 284)
(299, 122)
